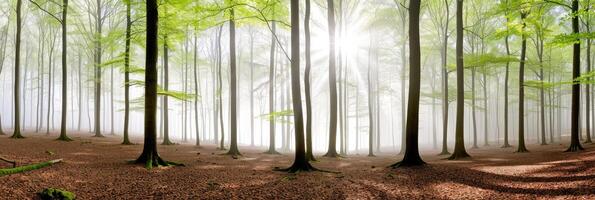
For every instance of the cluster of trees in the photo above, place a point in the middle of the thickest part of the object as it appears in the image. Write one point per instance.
(483, 51)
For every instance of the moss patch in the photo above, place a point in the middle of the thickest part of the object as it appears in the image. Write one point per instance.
(56, 194)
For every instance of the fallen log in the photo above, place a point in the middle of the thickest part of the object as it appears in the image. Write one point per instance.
(30, 167)
(14, 163)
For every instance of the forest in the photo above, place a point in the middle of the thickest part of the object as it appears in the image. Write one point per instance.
(297, 99)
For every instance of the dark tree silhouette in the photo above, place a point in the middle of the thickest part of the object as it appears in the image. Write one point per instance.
(459, 151)
(412, 157)
(150, 157)
(575, 144)
(300, 162)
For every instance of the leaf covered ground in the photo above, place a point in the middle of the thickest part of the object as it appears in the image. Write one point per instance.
(97, 168)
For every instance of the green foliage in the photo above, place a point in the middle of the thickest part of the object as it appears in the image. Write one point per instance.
(278, 116)
(56, 194)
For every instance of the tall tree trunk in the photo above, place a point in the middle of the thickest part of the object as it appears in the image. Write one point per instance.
(412, 157)
(98, 70)
(272, 92)
(4, 40)
(521, 119)
(485, 112)
(575, 144)
(588, 92)
(80, 90)
(300, 162)
(63, 135)
(251, 87)
(150, 156)
(473, 105)
(459, 151)
(332, 147)
(309, 150)
(233, 146)
(127, 74)
(197, 92)
(17, 78)
(166, 140)
(445, 101)
(220, 89)
(506, 77)
(370, 106)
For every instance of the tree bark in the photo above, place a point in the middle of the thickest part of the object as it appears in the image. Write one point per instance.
(17, 78)
(575, 144)
(412, 157)
(127, 74)
(63, 135)
(459, 151)
(521, 120)
(233, 146)
(272, 149)
(332, 147)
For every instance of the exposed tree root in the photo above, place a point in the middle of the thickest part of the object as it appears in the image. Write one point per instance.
(272, 152)
(64, 138)
(25, 168)
(458, 155)
(151, 161)
(522, 149)
(301, 167)
(17, 136)
(444, 152)
(574, 148)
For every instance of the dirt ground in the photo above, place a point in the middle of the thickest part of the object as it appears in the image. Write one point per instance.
(96, 168)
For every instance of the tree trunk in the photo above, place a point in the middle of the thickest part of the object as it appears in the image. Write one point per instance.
(272, 92)
(150, 156)
(506, 77)
(98, 71)
(332, 147)
(521, 119)
(197, 91)
(473, 105)
(300, 162)
(445, 101)
(575, 144)
(459, 151)
(17, 78)
(370, 106)
(412, 157)
(233, 146)
(166, 140)
(63, 135)
(127, 74)
(309, 151)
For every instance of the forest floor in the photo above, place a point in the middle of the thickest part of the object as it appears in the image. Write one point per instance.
(96, 168)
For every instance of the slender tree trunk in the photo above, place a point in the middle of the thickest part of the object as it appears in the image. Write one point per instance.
(63, 135)
(473, 105)
(485, 112)
(309, 150)
(588, 92)
(80, 91)
(197, 91)
(251, 87)
(300, 162)
(521, 119)
(575, 144)
(166, 140)
(17, 78)
(233, 146)
(332, 147)
(370, 106)
(412, 157)
(445, 101)
(272, 92)
(506, 77)
(98, 53)
(459, 151)
(220, 89)
(127, 74)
